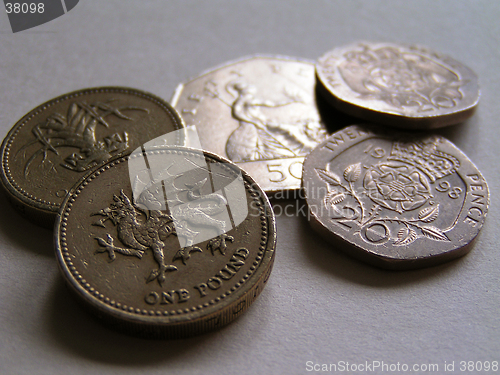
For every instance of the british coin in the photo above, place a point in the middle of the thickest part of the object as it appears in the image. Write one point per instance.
(405, 86)
(167, 242)
(54, 145)
(395, 200)
(259, 112)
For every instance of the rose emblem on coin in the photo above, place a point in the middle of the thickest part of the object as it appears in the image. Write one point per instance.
(397, 187)
(405, 86)
(401, 78)
(397, 200)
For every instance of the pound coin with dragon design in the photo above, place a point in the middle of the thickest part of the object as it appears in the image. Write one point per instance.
(167, 242)
(396, 200)
(55, 144)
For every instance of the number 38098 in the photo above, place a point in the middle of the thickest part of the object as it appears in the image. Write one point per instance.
(25, 8)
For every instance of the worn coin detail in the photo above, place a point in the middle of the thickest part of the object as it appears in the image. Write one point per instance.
(55, 144)
(166, 242)
(395, 200)
(399, 85)
(259, 112)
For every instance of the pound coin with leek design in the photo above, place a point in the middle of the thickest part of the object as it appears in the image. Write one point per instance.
(167, 242)
(400, 85)
(395, 200)
(55, 144)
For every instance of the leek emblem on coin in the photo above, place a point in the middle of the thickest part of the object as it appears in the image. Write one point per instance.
(77, 130)
(55, 144)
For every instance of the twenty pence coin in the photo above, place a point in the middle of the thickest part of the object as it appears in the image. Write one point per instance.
(395, 200)
(54, 145)
(147, 271)
(260, 112)
(405, 86)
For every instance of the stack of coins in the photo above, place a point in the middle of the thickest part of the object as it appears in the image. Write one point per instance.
(397, 199)
(163, 240)
(154, 238)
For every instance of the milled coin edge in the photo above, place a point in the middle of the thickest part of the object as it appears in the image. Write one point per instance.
(187, 323)
(39, 210)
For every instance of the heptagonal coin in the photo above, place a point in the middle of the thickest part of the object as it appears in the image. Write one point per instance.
(260, 112)
(395, 200)
(405, 86)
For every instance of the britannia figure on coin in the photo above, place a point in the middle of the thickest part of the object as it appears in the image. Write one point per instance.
(259, 137)
(254, 110)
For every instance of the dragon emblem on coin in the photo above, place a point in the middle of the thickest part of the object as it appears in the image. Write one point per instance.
(401, 185)
(140, 230)
(77, 130)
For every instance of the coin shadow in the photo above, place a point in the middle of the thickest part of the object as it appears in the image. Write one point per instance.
(334, 120)
(328, 259)
(76, 331)
(330, 116)
(462, 133)
(15, 227)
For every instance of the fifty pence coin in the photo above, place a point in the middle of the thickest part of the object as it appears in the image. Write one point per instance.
(397, 201)
(260, 112)
(166, 242)
(400, 85)
(55, 144)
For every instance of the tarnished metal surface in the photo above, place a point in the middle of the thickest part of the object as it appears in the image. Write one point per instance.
(55, 144)
(396, 200)
(399, 85)
(178, 247)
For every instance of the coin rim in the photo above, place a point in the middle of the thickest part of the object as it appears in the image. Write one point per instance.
(38, 204)
(369, 255)
(403, 121)
(177, 92)
(176, 324)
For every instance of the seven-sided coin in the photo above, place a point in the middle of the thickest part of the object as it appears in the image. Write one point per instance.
(400, 85)
(395, 200)
(260, 112)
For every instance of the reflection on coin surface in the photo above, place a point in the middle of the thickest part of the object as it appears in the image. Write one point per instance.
(55, 144)
(395, 200)
(399, 85)
(166, 251)
(259, 112)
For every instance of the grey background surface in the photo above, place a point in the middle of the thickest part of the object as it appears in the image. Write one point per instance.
(319, 304)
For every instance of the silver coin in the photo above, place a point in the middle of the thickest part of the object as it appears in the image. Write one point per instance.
(260, 112)
(394, 200)
(400, 85)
